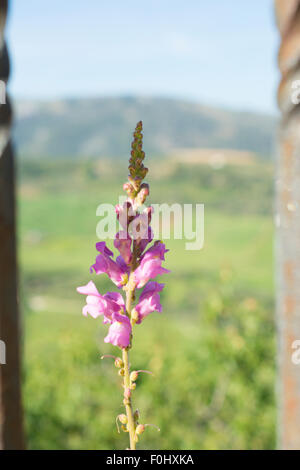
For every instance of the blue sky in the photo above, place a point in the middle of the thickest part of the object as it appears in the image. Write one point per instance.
(218, 52)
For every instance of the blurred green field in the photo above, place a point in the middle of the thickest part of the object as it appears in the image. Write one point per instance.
(212, 350)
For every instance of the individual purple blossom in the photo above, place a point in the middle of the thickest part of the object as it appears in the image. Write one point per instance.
(125, 213)
(97, 304)
(102, 248)
(119, 332)
(149, 300)
(116, 270)
(140, 227)
(117, 299)
(157, 250)
(150, 265)
(148, 269)
(123, 244)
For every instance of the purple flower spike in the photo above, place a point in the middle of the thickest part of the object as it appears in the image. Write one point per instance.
(129, 271)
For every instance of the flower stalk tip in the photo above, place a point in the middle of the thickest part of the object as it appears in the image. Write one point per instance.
(136, 167)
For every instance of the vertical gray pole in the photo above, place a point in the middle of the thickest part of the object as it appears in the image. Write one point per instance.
(11, 429)
(288, 225)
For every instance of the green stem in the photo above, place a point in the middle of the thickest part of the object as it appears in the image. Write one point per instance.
(127, 401)
(128, 405)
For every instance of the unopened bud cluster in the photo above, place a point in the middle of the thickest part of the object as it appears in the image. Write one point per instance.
(137, 170)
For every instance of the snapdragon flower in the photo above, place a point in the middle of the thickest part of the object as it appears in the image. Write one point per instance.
(150, 265)
(97, 304)
(116, 270)
(119, 331)
(123, 244)
(131, 270)
(149, 300)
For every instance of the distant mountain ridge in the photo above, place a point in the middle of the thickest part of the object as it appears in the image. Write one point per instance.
(103, 127)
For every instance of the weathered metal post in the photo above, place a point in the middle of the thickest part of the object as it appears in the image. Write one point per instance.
(11, 430)
(288, 224)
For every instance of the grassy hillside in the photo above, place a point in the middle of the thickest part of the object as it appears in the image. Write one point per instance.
(211, 350)
(101, 126)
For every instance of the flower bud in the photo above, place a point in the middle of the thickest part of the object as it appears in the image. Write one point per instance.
(133, 386)
(121, 372)
(145, 188)
(131, 170)
(129, 189)
(127, 186)
(144, 172)
(119, 363)
(143, 193)
(140, 429)
(133, 376)
(136, 415)
(133, 182)
(127, 393)
(123, 419)
(134, 315)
